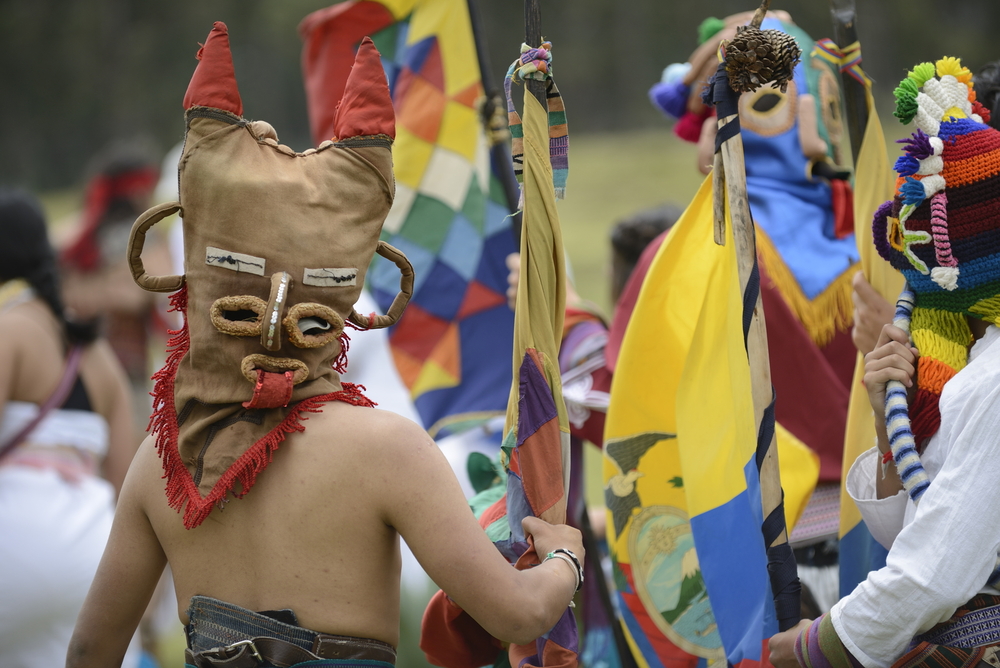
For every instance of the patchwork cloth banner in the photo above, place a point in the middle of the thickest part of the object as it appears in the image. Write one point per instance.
(450, 215)
(536, 446)
(681, 485)
(873, 185)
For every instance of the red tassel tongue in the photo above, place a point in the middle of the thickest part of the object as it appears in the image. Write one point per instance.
(272, 390)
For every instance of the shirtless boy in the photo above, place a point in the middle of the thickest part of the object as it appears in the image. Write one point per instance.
(276, 247)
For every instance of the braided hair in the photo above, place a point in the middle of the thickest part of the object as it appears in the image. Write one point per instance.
(27, 254)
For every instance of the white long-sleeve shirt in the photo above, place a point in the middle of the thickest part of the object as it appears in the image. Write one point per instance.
(942, 551)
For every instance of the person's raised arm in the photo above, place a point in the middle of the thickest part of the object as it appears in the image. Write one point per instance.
(871, 313)
(126, 577)
(424, 502)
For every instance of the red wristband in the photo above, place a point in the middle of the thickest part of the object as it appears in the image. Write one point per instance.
(887, 457)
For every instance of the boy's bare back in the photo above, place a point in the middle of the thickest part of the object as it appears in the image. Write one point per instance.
(319, 533)
(315, 534)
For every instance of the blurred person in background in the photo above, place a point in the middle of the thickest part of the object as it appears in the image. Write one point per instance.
(66, 441)
(97, 282)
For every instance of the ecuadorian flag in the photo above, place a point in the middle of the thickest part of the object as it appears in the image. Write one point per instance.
(681, 485)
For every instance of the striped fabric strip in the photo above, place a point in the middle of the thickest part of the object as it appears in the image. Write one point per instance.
(818, 646)
(558, 129)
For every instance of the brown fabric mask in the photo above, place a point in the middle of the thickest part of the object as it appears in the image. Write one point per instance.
(276, 246)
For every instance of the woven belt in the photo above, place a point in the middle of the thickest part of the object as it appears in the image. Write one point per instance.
(273, 651)
(976, 628)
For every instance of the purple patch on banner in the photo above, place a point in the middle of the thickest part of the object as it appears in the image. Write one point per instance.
(536, 405)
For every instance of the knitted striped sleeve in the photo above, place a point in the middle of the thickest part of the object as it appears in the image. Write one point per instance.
(819, 646)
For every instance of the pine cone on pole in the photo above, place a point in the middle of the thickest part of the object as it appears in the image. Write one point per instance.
(755, 57)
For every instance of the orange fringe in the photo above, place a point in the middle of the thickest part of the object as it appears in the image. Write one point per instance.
(932, 374)
(831, 312)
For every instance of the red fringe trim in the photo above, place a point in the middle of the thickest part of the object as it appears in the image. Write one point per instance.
(925, 416)
(181, 491)
(340, 364)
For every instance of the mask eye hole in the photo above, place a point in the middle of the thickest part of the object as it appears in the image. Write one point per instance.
(766, 102)
(312, 325)
(241, 315)
(769, 112)
(238, 315)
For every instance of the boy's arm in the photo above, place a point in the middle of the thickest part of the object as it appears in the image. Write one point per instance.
(125, 580)
(424, 502)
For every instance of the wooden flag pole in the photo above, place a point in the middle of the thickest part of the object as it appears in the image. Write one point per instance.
(496, 129)
(845, 34)
(745, 68)
(533, 38)
(760, 368)
(735, 184)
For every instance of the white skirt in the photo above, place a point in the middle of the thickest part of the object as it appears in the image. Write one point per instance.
(52, 536)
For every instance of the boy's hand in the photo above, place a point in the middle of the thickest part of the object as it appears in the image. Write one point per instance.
(782, 646)
(549, 537)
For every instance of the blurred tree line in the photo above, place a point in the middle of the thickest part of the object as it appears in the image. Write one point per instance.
(79, 74)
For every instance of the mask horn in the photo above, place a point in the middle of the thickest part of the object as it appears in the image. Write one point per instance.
(213, 83)
(366, 107)
(137, 239)
(402, 297)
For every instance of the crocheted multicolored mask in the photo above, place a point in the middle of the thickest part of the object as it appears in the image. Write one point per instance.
(942, 230)
(276, 247)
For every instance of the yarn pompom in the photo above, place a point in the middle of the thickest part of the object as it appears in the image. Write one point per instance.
(920, 75)
(906, 165)
(953, 66)
(906, 100)
(918, 146)
(912, 191)
(709, 28)
(981, 111)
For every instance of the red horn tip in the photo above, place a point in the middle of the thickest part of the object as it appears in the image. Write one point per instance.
(214, 81)
(366, 107)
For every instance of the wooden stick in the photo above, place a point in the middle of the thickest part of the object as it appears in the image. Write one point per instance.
(845, 33)
(719, 199)
(499, 151)
(760, 368)
(533, 38)
(758, 16)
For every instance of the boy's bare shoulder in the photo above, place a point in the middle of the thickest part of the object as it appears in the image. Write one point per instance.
(377, 432)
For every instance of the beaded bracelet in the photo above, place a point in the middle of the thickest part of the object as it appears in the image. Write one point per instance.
(569, 558)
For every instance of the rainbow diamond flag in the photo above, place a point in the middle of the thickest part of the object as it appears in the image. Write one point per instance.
(450, 216)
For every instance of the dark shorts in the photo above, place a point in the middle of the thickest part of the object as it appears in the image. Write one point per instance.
(222, 632)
